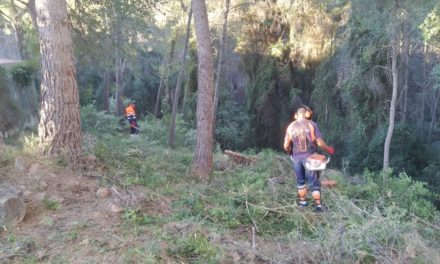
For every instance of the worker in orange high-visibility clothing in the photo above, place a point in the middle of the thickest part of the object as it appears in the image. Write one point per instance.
(301, 140)
(130, 114)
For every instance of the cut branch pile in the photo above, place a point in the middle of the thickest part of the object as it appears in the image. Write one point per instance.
(240, 158)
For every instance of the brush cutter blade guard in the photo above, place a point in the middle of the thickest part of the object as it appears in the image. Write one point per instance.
(316, 162)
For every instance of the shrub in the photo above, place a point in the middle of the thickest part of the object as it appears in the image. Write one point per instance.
(22, 74)
(194, 247)
(397, 197)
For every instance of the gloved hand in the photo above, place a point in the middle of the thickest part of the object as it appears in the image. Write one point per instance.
(330, 150)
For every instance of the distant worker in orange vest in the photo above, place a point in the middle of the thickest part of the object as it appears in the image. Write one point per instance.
(130, 114)
(301, 141)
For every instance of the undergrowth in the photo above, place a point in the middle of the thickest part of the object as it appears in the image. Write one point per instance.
(378, 218)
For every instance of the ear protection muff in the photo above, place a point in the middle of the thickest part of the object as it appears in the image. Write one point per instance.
(308, 113)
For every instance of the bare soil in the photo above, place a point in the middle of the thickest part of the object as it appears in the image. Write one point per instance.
(66, 220)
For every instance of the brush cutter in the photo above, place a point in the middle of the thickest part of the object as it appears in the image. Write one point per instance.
(134, 126)
(318, 162)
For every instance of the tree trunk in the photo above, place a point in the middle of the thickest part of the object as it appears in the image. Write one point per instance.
(172, 129)
(16, 20)
(421, 119)
(220, 65)
(202, 165)
(59, 128)
(106, 91)
(405, 85)
(19, 36)
(386, 152)
(406, 46)
(187, 93)
(119, 86)
(159, 92)
(168, 101)
(33, 13)
(165, 71)
(433, 115)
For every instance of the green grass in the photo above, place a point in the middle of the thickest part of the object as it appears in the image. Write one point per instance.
(51, 204)
(368, 222)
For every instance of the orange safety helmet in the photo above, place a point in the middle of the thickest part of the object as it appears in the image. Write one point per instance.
(130, 109)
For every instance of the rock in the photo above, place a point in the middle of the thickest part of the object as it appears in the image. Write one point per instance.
(33, 169)
(91, 158)
(12, 206)
(115, 208)
(43, 185)
(27, 194)
(103, 192)
(20, 164)
(39, 197)
(40, 254)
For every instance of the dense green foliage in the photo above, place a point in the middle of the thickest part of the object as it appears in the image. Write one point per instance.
(22, 74)
(8, 107)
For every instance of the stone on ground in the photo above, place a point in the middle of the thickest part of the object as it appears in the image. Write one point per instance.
(12, 206)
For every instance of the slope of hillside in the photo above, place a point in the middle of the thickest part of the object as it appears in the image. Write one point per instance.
(137, 203)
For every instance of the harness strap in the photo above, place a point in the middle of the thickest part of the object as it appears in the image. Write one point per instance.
(312, 133)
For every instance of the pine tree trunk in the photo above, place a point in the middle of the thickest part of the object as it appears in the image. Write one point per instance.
(106, 91)
(119, 86)
(159, 92)
(220, 65)
(59, 128)
(186, 93)
(172, 128)
(405, 85)
(386, 155)
(421, 119)
(168, 101)
(165, 72)
(202, 165)
(433, 115)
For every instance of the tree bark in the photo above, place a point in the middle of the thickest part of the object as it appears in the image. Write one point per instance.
(166, 70)
(386, 155)
(33, 13)
(187, 93)
(19, 33)
(202, 164)
(172, 129)
(220, 65)
(159, 92)
(433, 115)
(120, 64)
(406, 54)
(106, 91)
(59, 128)
(421, 119)
(166, 84)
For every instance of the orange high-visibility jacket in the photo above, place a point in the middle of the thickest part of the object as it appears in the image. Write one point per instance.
(129, 110)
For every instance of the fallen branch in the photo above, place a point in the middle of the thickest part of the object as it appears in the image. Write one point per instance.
(240, 158)
(424, 222)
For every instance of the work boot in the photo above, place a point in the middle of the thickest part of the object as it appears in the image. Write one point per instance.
(302, 204)
(319, 208)
(302, 193)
